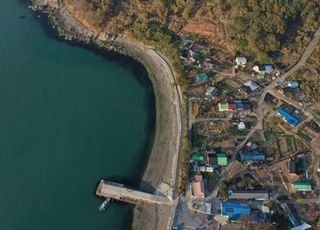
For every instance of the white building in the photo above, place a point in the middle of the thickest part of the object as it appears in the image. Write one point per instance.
(241, 61)
(241, 125)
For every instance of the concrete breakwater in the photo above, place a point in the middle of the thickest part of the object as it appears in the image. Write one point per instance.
(161, 171)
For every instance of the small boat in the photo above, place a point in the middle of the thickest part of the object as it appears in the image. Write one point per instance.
(105, 204)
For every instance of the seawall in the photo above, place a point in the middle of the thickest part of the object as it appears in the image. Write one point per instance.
(161, 171)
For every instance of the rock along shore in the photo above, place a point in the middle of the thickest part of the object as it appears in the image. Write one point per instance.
(161, 171)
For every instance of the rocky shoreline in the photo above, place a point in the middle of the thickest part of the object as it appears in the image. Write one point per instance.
(160, 173)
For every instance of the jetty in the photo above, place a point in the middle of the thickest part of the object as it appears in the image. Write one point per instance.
(120, 192)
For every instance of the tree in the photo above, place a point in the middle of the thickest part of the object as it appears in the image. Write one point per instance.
(223, 190)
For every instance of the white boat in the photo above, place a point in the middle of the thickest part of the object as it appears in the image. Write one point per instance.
(105, 204)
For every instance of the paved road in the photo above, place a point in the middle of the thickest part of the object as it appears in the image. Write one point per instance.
(180, 119)
(180, 131)
(306, 54)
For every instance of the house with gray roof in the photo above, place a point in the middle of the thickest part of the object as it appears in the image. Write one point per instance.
(249, 194)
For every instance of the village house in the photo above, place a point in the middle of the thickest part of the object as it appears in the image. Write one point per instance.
(232, 105)
(241, 125)
(293, 84)
(202, 77)
(291, 115)
(216, 159)
(314, 126)
(235, 105)
(212, 91)
(249, 87)
(249, 194)
(197, 157)
(241, 61)
(198, 187)
(234, 210)
(304, 186)
(243, 104)
(223, 106)
(253, 156)
(264, 69)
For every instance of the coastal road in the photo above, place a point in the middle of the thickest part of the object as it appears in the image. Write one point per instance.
(180, 119)
(178, 202)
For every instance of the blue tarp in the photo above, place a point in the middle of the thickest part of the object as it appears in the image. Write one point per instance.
(234, 210)
(288, 117)
(254, 156)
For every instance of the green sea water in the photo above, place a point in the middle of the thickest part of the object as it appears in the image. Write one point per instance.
(68, 117)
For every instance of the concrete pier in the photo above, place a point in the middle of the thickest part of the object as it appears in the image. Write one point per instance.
(120, 192)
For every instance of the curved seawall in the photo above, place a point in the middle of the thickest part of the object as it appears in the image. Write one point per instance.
(161, 170)
(69, 117)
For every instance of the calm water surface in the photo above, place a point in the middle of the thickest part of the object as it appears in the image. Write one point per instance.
(68, 117)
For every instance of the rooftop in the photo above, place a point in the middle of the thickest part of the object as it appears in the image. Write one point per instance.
(252, 85)
(222, 159)
(249, 87)
(302, 186)
(223, 106)
(289, 117)
(197, 157)
(267, 68)
(212, 91)
(249, 194)
(198, 187)
(234, 210)
(293, 84)
(241, 60)
(202, 77)
(255, 156)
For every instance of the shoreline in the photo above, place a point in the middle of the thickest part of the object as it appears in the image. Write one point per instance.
(160, 173)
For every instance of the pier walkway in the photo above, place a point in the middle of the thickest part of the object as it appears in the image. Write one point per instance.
(120, 192)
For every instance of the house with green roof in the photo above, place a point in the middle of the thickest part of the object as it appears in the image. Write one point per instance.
(197, 157)
(222, 159)
(302, 186)
(223, 106)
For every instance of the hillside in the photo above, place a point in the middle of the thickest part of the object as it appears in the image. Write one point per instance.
(267, 30)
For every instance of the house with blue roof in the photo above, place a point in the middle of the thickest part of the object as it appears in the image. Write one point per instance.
(202, 77)
(293, 84)
(264, 69)
(234, 210)
(288, 117)
(253, 156)
(267, 69)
